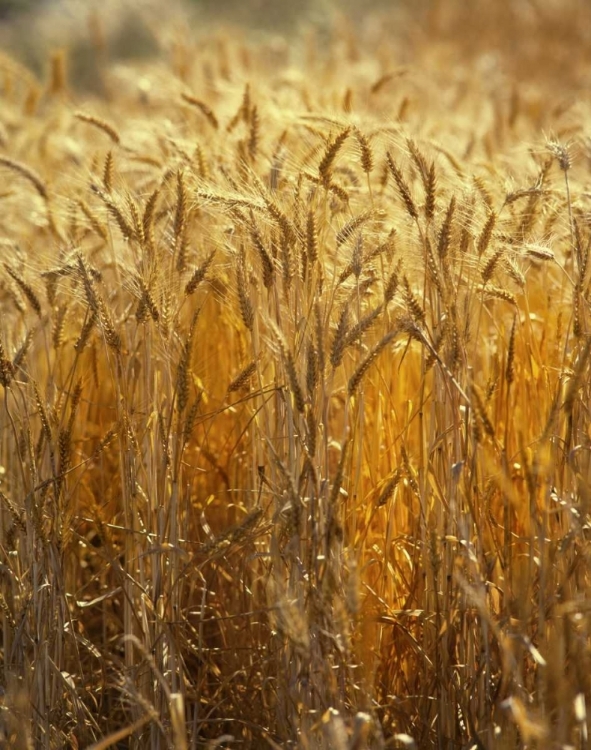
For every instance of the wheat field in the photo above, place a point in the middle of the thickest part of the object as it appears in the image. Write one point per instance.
(295, 367)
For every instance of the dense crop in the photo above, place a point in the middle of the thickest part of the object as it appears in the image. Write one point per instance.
(295, 384)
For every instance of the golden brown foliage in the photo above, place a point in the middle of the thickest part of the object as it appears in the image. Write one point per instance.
(295, 380)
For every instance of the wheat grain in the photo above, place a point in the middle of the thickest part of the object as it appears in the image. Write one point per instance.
(414, 307)
(351, 226)
(246, 309)
(312, 369)
(479, 407)
(445, 231)
(561, 154)
(359, 374)
(577, 322)
(26, 289)
(199, 274)
(184, 368)
(242, 378)
(254, 133)
(333, 147)
(319, 337)
(367, 160)
(99, 123)
(148, 219)
(340, 337)
(282, 220)
(95, 223)
(84, 336)
(21, 353)
(126, 229)
(514, 272)
(311, 238)
(191, 417)
(539, 252)
(510, 366)
(57, 333)
(180, 223)
(433, 269)
(294, 383)
(391, 285)
(490, 265)
(266, 262)
(486, 233)
(148, 300)
(112, 336)
(136, 222)
(500, 293)
(108, 171)
(403, 188)
(389, 487)
(203, 108)
(430, 184)
(29, 174)
(355, 333)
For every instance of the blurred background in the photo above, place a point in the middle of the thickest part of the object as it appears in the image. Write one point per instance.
(526, 40)
(31, 30)
(266, 13)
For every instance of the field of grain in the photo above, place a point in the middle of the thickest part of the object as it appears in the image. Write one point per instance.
(295, 388)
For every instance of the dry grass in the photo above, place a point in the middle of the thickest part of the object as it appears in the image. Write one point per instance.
(295, 380)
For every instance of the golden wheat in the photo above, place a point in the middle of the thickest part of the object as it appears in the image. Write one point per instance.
(294, 380)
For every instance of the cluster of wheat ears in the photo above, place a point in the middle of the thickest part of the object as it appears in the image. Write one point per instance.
(294, 392)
